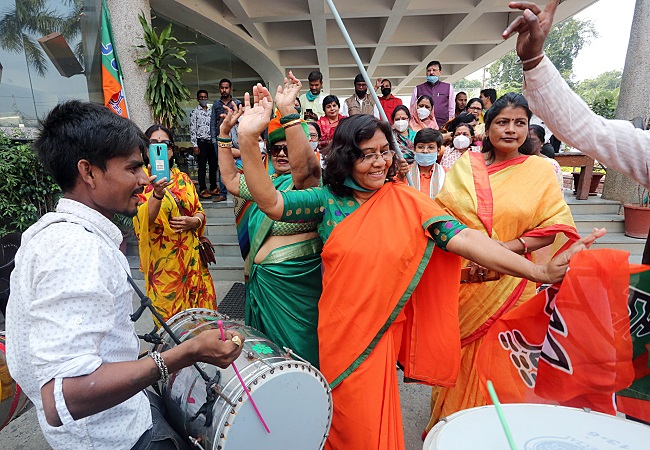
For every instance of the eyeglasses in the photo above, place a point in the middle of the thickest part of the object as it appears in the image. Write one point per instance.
(167, 142)
(387, 155)
(474, 108)
(276, 149)
(313, 136)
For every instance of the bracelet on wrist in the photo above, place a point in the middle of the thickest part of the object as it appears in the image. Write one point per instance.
(220, 139)
(153, 194)
(292, 123)
(288, 118)
(524, 244)
(200, 221)
(158, 359)
(535, 58)
(224, 144)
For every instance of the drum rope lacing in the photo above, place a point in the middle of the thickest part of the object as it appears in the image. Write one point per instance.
(211, 384)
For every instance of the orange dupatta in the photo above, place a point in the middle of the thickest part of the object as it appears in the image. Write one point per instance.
(401, 304)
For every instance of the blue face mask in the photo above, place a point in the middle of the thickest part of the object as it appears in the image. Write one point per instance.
(298, 109)
(426, 159)
(432, 79)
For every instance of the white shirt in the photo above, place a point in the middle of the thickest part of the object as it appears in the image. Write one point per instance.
(614, 142)
(68, 313)
(344, 106)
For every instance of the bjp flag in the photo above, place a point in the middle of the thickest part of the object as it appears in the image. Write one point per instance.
(111, 74)
(570, 346)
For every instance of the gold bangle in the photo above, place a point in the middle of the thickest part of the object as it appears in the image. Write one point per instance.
(200, 221)
(224, 144)
(524, 244)
(292, 123)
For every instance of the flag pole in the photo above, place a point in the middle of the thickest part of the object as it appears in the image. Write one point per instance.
(362, 69)
(117, 61)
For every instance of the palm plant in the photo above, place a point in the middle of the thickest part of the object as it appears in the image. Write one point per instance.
(164, 61)
(30, 18)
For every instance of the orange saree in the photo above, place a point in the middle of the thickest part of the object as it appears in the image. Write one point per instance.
(401, 305)
(506, 200)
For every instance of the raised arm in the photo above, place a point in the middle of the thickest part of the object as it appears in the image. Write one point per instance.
(305, 167)
(254, 121)
(229, 173)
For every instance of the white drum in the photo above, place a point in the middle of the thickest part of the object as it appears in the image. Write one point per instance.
(537, 427)
(293, 397)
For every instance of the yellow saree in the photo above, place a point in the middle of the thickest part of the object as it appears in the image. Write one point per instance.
(507, 200)
(175, 277)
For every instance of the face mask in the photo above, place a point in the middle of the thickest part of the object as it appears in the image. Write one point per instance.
(401, 125)
(423, 113)
(461, 142)
(385, 92)
(361, 94)
(432, 79)
(314, 145)
(426, 159)
(203, 103)
(298, 109)
(262, 146)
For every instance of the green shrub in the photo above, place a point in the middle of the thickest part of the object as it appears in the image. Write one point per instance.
(26, 190)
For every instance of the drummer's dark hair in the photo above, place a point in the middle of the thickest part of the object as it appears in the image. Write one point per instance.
(76, 130)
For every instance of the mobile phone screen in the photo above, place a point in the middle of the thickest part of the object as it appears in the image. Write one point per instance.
(159, 161)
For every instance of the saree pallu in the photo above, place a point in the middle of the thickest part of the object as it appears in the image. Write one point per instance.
(175, 277)
(282, 291)
(506, 200)
(401, 305)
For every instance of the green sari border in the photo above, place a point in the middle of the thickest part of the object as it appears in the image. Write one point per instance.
(291, 251)
(398, 308)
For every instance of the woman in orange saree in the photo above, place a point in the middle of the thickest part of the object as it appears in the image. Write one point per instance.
(389, 287)
(513, 199)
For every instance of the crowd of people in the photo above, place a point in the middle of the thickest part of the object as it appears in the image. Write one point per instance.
(318, 190)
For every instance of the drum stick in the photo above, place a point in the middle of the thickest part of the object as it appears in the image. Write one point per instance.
(241, 380)
(502, 417)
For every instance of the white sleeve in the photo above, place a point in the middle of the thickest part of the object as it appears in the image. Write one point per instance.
(344, 109)
(376, 112)
(452, 102)
(414, 97)
(614, 142)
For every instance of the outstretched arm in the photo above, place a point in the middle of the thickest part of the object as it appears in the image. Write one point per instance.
(255, 120)
(477, 247)
(305, 168)
(229, 173)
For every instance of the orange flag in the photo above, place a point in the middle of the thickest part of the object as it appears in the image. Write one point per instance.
(570, 346)
(111, 73)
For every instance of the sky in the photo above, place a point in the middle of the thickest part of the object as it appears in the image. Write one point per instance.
(612, 20)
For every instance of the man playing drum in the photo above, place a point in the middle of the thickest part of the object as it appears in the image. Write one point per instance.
(70, 343)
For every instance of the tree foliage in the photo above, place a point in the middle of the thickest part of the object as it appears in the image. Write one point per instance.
(165, 61)
(27, 191)
(564, 42)
(466, 85)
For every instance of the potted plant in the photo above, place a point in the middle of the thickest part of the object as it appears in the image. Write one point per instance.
(165, 62)
(637, 216)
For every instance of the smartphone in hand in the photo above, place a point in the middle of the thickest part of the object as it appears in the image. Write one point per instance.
(159, 161)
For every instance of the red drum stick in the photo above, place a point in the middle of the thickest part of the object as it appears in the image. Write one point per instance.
(241, 380)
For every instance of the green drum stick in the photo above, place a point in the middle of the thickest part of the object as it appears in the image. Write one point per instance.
(502, 417)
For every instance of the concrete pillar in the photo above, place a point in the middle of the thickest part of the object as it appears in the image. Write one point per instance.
(127, 33)
(633, 101)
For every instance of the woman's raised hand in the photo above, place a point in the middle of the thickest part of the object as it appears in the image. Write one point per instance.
(257, 116)
(556, 268)
(285, 96)
(230, 119)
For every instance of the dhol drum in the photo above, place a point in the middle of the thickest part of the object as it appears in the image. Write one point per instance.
(13, 401)
(292, 396)
(537, 427)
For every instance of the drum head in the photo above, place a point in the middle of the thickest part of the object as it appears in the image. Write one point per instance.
(295, 404)
(537, 427)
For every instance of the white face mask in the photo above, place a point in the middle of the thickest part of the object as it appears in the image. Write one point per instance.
(401, 125)
(262, 146)
(461, 142)
(423, 113)
(314, 145)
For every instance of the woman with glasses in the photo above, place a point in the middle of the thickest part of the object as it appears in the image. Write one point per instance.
(284, 264)
(402, 131)
(492, 193)
(168, 226)
(391, 273)
(475, 107)
(428, 176)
